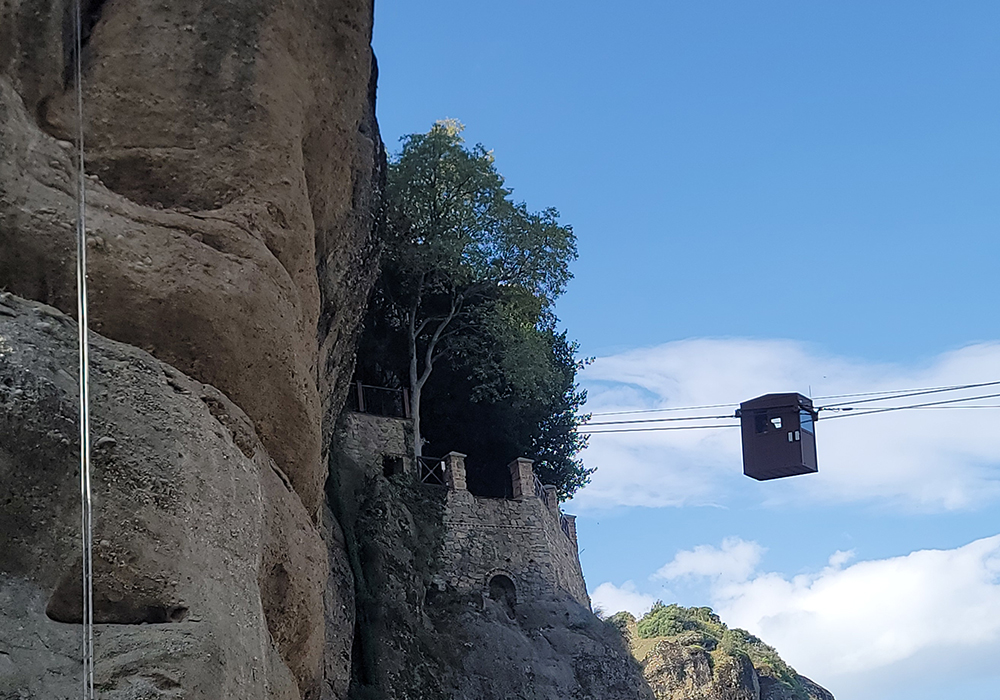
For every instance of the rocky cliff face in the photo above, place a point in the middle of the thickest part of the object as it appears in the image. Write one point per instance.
(418, 639)
(234, 170)
(690, 654)
(234, 167)
(232, 152)
(208, 570)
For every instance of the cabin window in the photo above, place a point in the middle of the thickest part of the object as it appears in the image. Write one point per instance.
(806, 422)
(763, 423)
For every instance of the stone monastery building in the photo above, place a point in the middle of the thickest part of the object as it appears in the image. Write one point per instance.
(509, 549)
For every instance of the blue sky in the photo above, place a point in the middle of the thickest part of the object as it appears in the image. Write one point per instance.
(771, 196)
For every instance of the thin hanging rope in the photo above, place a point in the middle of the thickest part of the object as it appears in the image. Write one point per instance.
(86, 502)
(930, 404)
(884, 396)
(907, 394)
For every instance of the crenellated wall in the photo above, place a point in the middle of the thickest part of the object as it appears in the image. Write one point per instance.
(521, 538)
(526, 538)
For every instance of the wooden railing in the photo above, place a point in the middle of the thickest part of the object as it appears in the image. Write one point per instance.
(431, 470)
(379, 401)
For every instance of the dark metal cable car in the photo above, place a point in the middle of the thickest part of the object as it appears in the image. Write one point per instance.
(779, 436)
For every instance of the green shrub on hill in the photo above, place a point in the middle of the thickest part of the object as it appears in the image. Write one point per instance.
(671, 620)
(701, 627)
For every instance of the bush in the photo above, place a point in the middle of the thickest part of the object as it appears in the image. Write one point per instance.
(672, 620)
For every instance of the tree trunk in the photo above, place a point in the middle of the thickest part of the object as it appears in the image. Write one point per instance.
(415, 388)
(419, 377)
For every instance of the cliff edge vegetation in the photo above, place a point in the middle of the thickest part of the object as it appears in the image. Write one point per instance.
(462, 318)
(691, 654)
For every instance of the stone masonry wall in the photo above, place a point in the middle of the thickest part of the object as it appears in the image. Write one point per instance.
(519, 538)
(366, 439)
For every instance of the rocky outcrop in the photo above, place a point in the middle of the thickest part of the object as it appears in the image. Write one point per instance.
(232, 154)
(420, 639)
(690, 654)
(234, 168)
(208, 570)
(773, 689)
(676, 671)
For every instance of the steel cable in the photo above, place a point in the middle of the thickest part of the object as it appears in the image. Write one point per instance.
(86, 500)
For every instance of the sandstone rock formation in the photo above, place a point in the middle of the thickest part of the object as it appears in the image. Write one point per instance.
(232, 152)
(207, 568)
(233, 167)
(690, 654)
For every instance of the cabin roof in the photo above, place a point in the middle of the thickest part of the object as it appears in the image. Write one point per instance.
(778, 401)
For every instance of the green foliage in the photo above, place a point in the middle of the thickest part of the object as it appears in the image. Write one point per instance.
(702, 627)
(466, 288)
(671, 620)
(454, 225)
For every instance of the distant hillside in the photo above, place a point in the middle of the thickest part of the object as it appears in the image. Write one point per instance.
(690, 654)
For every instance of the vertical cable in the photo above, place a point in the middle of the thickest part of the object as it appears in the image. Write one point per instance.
(86, 519)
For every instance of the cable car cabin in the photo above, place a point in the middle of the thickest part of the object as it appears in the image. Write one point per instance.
(779, 436)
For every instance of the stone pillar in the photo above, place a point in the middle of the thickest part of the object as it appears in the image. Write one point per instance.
(571, 523)
(552, 500)
(522, 477)
(454, 471)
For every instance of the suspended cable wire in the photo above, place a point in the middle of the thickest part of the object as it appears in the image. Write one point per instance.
(660, 420)
(847, 412)
(657, 429)
(663, 410)
(914, 392)
(990, 405)
(886, 395)
(86, 501)
(842, 413)
(892, 391)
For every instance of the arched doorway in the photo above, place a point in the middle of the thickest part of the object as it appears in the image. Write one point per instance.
(502, 590)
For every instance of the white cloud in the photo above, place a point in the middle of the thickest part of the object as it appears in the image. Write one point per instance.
(735, 560)
(839, 558)
(842, 623)
(610, 599)
(928, 459)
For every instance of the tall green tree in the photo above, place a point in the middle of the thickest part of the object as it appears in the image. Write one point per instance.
(468, 280)
(460, 238)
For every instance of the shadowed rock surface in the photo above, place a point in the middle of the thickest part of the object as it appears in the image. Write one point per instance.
(207, 567)
(234, 170)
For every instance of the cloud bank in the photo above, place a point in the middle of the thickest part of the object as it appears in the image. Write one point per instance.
(926, 459)
(608, 599)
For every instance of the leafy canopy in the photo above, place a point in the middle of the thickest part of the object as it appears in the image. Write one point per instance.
(457, 227)
(467, 285)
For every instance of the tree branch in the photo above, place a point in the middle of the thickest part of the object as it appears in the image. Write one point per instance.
(429, 356)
